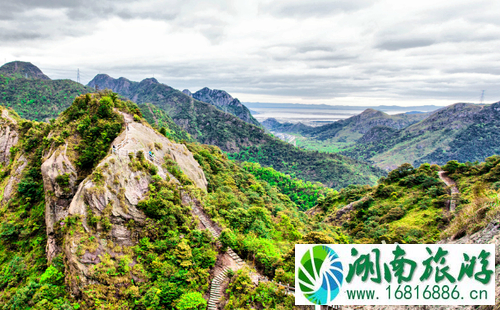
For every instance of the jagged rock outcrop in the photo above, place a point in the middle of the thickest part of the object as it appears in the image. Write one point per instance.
(23, 69)
(59, 180)
(225, 102)
(102, 210)
(9, 137)
(103, 81)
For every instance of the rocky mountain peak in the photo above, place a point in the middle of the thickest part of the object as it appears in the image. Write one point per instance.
(225, 102)
(371, 113)
(150, 81)
(104, 81)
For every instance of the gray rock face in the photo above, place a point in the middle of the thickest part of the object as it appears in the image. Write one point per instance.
(58, 196)
(8, 136)
(14, 178)
(226, 103)
(187, 92)
(103, 207)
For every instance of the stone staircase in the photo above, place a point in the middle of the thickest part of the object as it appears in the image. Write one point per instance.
(236, 258)
(215, 286)
(215, 289)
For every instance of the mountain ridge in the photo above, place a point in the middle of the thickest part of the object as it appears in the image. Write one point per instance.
(241, 140)
(100, 210)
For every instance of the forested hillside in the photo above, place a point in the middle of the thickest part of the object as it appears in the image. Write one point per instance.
(333, 170)
(21, 69)
(36, 97)
(343, 134)
(163, 123)
(464, 132)
(243, 141)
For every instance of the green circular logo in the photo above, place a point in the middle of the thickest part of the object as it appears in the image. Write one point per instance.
(320, 274)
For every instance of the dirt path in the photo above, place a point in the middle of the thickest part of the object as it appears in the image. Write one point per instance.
(453, 188)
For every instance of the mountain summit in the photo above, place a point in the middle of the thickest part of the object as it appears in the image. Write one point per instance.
(225, 102)
(23, 69)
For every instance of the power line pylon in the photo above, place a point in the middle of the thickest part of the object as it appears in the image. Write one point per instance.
(482, 97)
(78, 75)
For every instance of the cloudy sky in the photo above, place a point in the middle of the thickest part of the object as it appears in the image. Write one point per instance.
(356, 52)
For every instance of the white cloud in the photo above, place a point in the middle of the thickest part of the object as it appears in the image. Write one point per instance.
(338, 52)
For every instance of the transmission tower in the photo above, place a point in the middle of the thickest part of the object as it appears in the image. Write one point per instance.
(482, 97)
(78, 75)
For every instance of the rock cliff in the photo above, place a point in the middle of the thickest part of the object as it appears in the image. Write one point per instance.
(98, 220)
(9, 138)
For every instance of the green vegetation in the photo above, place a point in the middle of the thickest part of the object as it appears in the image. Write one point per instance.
(37, 99)
(479, 202)
(333, 170)
(304, 194)
(405, 207)
(26, 280)
(163, 123)
(268, 295)
(261, 223)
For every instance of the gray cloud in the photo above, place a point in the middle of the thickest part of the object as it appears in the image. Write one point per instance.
(394, 45)
(288, 49)
(306, 9)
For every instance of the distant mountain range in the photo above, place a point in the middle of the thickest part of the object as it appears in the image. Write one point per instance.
(463, 132)
(384, 108)
(344, 134)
